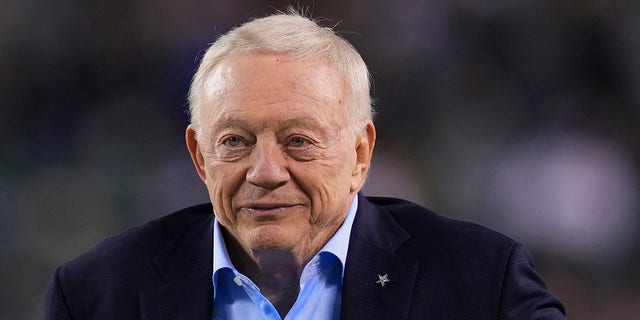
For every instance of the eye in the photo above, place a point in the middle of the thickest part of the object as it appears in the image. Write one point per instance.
(232, 141)
(297, 142)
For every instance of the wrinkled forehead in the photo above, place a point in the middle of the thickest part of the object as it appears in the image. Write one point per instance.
(252, 68)
(255, 76)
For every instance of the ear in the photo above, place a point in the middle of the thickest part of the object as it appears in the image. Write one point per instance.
(365, 143)
(194, 151)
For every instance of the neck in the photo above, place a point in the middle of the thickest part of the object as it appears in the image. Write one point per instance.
(275, 272)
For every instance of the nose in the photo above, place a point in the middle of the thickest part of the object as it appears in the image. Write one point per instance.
(268, 167)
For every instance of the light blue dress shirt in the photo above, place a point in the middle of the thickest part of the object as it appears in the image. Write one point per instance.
(237, 297)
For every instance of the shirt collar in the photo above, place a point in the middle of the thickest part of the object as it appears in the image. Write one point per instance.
(221, 257)
(337, 245)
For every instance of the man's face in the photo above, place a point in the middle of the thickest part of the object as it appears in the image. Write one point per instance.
(276, 152)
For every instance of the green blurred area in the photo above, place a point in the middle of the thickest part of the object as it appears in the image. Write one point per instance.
(520, 115)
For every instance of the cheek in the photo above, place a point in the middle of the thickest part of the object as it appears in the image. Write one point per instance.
(341, 168)
(328, 184)
(222, 182)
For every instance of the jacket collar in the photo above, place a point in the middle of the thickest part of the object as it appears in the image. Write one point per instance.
(375, 251)
(185, 265)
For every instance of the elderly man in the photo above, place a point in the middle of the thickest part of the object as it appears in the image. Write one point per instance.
(281, 134)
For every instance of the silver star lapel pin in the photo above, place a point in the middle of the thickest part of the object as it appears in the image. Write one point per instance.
(382, 280)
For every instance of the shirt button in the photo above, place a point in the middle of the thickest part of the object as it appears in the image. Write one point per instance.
(238, 281)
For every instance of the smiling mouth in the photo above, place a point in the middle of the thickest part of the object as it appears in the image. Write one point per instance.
(269, 212)
(268, 209)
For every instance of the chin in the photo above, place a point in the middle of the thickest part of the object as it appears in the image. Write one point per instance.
(266, 238)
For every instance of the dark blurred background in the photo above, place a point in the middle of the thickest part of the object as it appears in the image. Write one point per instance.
(520, 115)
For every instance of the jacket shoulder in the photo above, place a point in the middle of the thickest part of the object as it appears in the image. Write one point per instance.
(108, 279)
(129, 255)
(460, 259)
(427, 226)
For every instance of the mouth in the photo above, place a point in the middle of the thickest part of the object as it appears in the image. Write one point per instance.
(263, 209)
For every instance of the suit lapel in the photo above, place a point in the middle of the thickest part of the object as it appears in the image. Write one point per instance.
(186, 265)
(374, 250)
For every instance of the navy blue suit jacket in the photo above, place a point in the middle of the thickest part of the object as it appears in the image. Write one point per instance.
(439, 269)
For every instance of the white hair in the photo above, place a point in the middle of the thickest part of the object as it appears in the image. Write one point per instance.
(299, 38)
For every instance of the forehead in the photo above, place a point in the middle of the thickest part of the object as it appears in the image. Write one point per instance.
(272, 83)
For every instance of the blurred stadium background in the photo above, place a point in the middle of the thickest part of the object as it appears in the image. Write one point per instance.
(520, 115)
